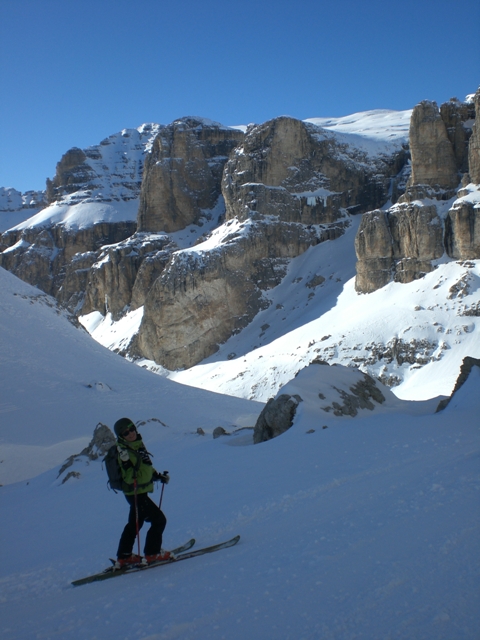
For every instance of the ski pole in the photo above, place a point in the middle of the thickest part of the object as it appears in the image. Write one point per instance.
(136, 513)
(161, 496)
(165, 473)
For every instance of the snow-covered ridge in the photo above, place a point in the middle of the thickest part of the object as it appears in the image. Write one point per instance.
(114, 168)
(376, 132)
(13, 200)
(378, 124)
(116, 165)
(15, 207)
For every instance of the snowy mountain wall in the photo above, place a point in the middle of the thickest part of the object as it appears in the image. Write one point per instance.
(247, 236)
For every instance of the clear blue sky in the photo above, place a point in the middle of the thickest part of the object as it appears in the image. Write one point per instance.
(74, 72)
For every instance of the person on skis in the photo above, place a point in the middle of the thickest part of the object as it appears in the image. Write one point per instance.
(138, 477)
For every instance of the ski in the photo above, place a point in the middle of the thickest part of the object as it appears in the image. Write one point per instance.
(180, 554)
(112, 572)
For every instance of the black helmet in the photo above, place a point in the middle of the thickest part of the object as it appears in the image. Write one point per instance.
(122, 425)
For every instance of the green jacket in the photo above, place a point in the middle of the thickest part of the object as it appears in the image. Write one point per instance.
(138, 466)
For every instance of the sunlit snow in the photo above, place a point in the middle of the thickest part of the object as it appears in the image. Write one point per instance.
(350, 527)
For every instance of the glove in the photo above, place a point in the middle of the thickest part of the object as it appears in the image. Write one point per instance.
(123, 454)
(164, 478)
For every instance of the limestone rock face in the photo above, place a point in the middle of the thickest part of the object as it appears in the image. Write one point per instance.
(41, 255)
(71, 293)
(474, 144)
(402, 242)
(287, 186)
(399, 244)
(302, 173)
(433, 157)
(73, 172)
(183, 172)
(462, 231)
(457, 117)
(466, 368)
(114, 275)
(203, 297)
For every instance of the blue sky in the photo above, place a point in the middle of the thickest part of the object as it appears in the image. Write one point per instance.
(72, 73)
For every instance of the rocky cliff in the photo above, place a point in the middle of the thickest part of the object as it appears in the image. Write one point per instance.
(196, 222)
(93, 202)
(57, 259)
(204, 296)
(183, 172)
(474, 145)
(287, 186)
(433, 217)
(300, 172)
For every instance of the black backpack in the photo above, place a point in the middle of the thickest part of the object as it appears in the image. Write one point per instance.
(115, 480)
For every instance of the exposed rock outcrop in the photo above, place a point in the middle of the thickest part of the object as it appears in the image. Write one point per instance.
(462, 231)
(361, 395)
(433, 157)
(114, 280)
(276, 417)
(203, 297)
(301, 173)
(73, 173)
(103, 438)
(398, 244)
(457, 117)
(183, 173)
(402, 243)
(465, 370)
(40, 256)
(474, 144)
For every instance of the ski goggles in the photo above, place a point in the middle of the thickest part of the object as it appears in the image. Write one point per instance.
(129, 430)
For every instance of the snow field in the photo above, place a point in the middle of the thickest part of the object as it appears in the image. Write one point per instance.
(365, 529)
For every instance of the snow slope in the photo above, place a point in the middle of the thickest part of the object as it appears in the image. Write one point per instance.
(363, 527)
(378, 124)
(57, 384)
(374, 132)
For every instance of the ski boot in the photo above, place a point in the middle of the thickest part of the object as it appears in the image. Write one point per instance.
(163, 556)
(132, 560)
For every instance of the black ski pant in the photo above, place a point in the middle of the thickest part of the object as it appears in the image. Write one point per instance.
(147, 512)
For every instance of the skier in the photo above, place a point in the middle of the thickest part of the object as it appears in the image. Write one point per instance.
(138, 477)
